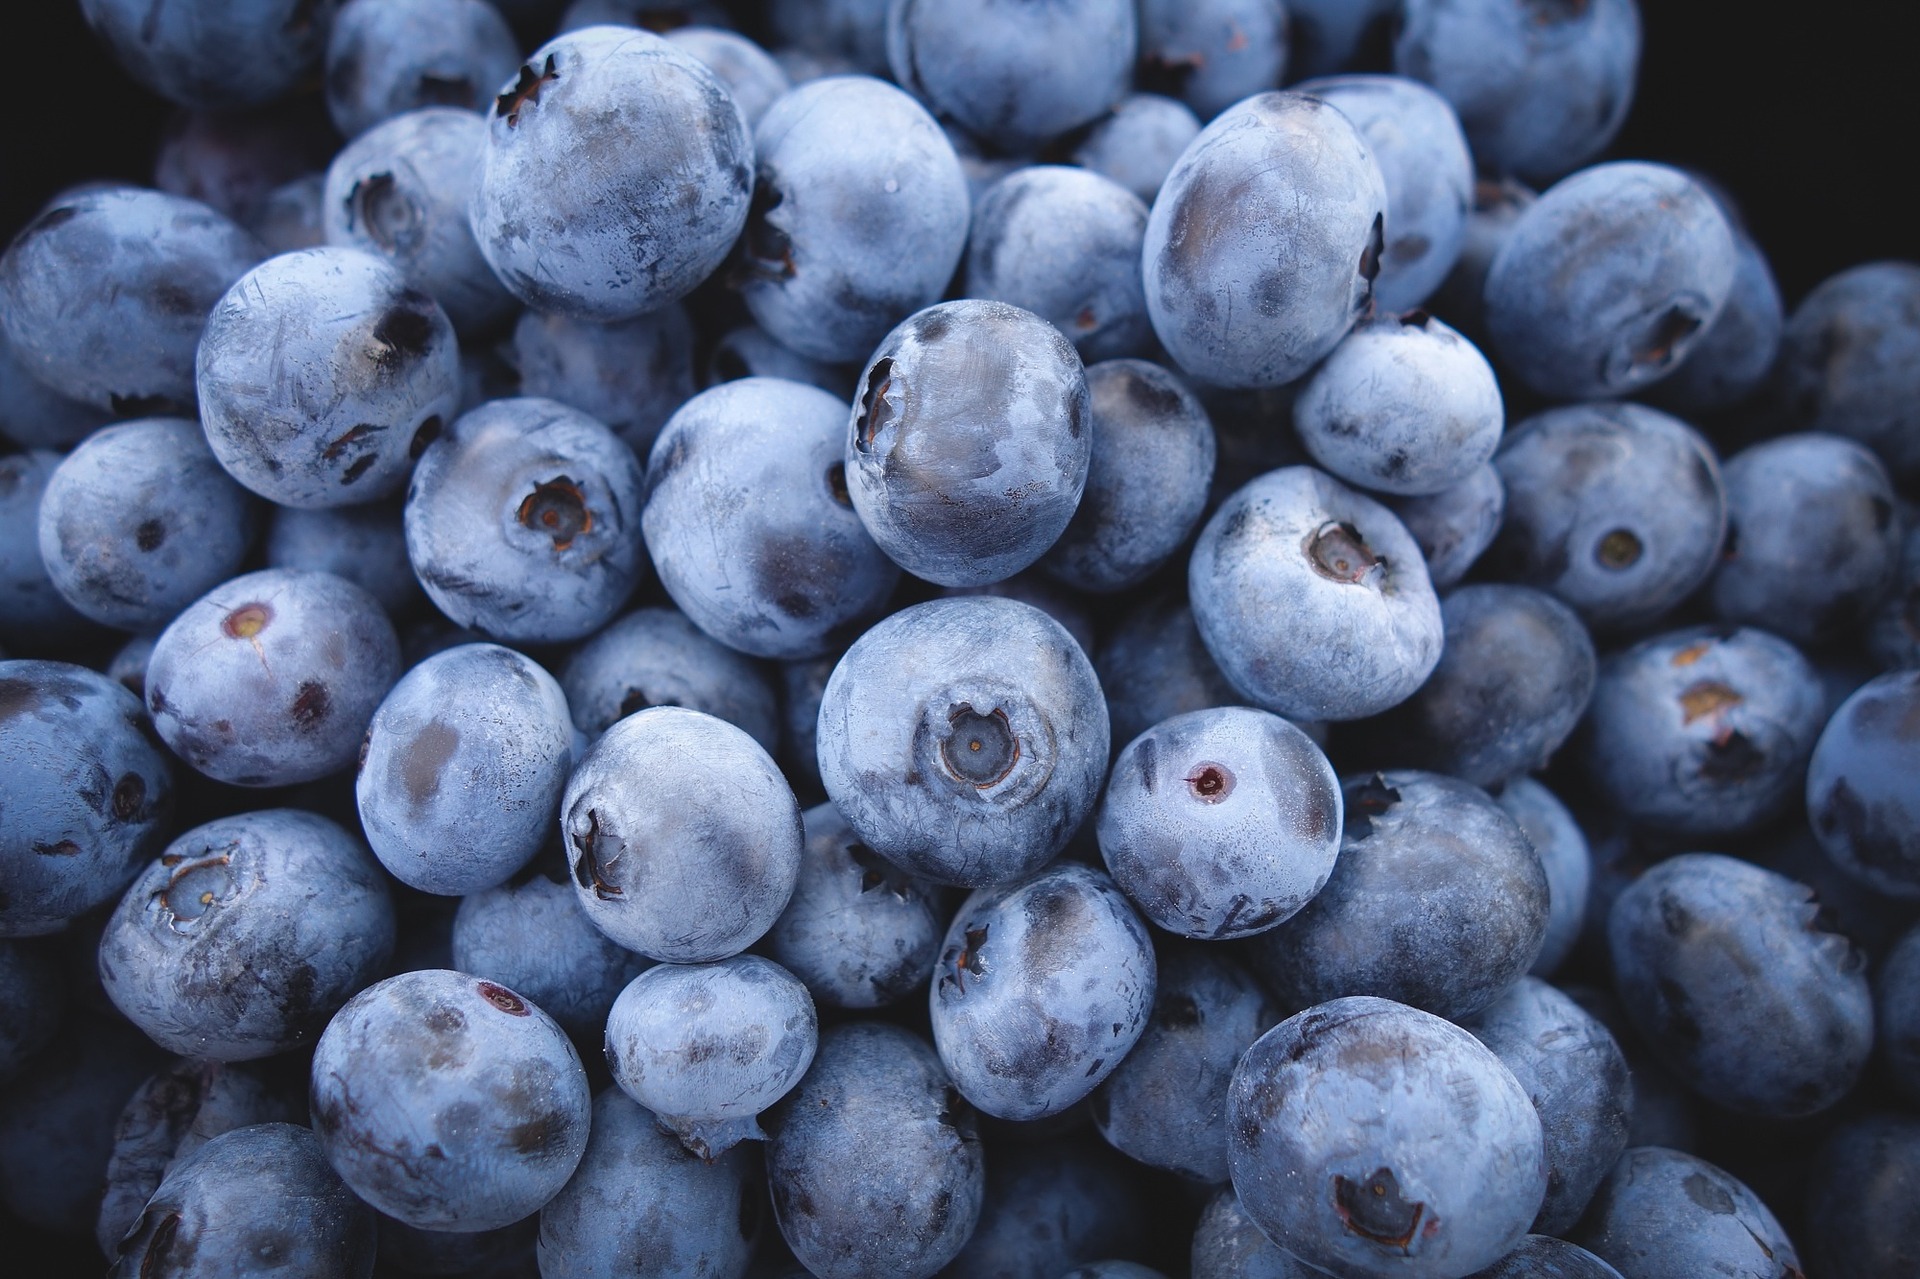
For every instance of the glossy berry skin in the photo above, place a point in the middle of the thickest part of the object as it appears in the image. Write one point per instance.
(1213, 53)
(615, 177)
(523, 522)
(1617, 509)
(88, 794)
(1147, 480)
(1043, 986)
(1263, 244)
(1138, 144)
(463, 767)
(367, 545)
(103, 296)
(964, 740)
(859, 218)
(272, 678)
(631, 374)
(1703, 731)
(1153, 667)
(1860, 794)
(255, 1198)
(859, 932)
(1564, 855)
(1369, 1138)
(640, 1204)
(1609, 279)
(1421, 837)
(968, 444)
(682, 836)
(707, 1047)
(1867, 312)
(436, 1059)
(1221, 823)
(215, 54)
(322, 375)
(139, 521)
(1296, 553)
(247, 935)
(750, 525)
(877, 1119)
(1733, 358)
(385, 59)
(656, 657)
(1403, 405)
(1664, 1214)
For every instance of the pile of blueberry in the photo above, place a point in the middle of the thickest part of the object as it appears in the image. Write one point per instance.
(908, 637)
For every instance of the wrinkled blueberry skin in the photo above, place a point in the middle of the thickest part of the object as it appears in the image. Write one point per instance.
(399, 191)
(1227, 1245)
(35, 997)
(1861, 798)
(463, 767)
(1541, 89)
(964, 740)
(35, 416)
(707, 1047)
(1313, 598)
(1562, 848)
(1221, 823)
(367, 545)
(386, 58)
(1147, 479)
(1369, 1138)
(257, 1198)
(215, 54)
(272, 678)
(641, 1205)
(1617, 509)
(104, 295)
(1265, 240)
(1662, 1214)
(1416, 139)
(32, 610)
(1862, 1212)
(1544, 1257)
(615, 177)
(1813, 537)
(630, 375)
(1137, 145)
(1733, 357)
(877, 1120)
(1166, 1103)
(859, 932)
(1455, 526)
(1212, 53)
(1702, 731)
(1043, 986)
(1605, 284)
(656, 657)
(1053, 1204)
(322, 375)
(523, 522)
(1421, 837)
(751, 75)
(1154, 666)
(750, 525)
(750, 351)
(1893, 633)
(1897, 1013)
(968, 445)
(713, 830)
(1404, 405)
(1686, 939)
(531, 935)
(87, 794)
(139, 521)
(1014, 73)
(247, 934)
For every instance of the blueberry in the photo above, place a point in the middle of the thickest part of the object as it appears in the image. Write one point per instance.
(215, 53)
(713, 831)
(1897, 1012)
(1616, 508)
(750, 351)
(103, 296)
(640, 1204)
(128, 667)
(751, 75)
(1893, 633)
(1455, 526)
(1138, 144)
(259, 1197)
(1733, 358)
(1702, 731)
(1861, 1209)
(86, 798)
(1662, 1214)
(1154, 667)
(656, 657)
(858, 932)
(289, 216)
(1313, 599)
(449, 1102)
(523, 521)
(463, 767)
(1053, 1204)
(139, 521)
(35, 416)
(272, 678)
(1861, 798)
(1326, 36)
(1064, 605)
(1043, 986)
(367, 545)
(1437, 900)
(1868, 919)
(968, 445)
(1212, 53)
(35, 995)
(1544, 1257)
(615, 176)
(964, 740)
(1497, 206)
(854, 30)
(1265, 240)
(32, 610)
(1371, 1138)
(1228, 1245)
(802, 685)
(388, 57)
(1562, 848)
(877, 1122)
(1403, 405)
(233, 160)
